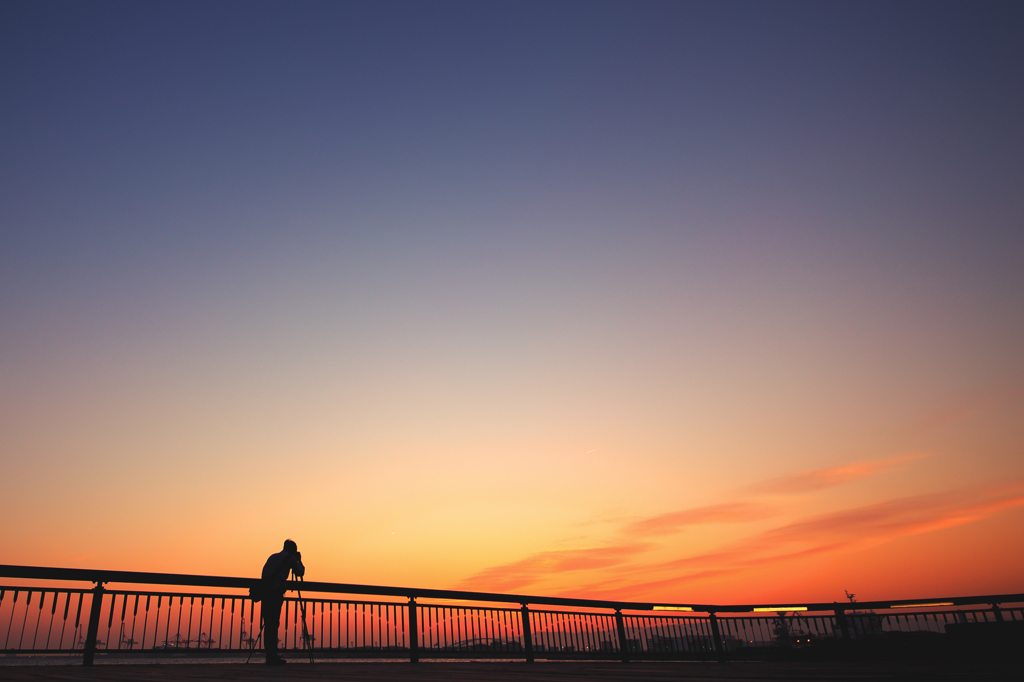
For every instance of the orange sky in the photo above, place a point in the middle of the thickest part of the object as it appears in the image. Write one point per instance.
(923, 522)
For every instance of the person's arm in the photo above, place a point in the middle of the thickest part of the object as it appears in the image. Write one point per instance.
(297, 566)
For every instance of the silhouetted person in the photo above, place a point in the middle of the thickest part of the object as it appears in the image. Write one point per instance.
(275, 573)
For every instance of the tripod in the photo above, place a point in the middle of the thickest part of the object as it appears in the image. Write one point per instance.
(306, 639)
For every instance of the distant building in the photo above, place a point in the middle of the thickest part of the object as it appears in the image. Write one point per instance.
(663, 644)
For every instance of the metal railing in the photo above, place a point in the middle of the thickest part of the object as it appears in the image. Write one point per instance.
(48, 619)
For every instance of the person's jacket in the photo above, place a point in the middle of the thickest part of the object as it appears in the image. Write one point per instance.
(275, 571)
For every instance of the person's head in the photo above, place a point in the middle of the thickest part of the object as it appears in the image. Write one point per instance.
(290, 546)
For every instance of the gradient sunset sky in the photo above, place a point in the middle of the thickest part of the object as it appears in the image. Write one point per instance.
(691, 302)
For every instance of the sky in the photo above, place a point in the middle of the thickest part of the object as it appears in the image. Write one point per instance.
(707, 302)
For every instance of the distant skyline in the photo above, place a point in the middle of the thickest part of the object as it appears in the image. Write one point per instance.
(678, 301)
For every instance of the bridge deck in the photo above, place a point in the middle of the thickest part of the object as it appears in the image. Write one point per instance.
(521, 672)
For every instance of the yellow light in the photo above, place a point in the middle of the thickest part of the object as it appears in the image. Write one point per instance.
(781, 608)
(914, 606)
(672, 608)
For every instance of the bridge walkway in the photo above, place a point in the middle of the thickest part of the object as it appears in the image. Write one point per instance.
(296, 671)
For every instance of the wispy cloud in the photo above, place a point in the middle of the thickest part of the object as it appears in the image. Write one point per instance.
(518, 574)
(902, 516)
(841, 531)
(623, 574)
(818, 479)
(732, 512)
(633, 585)
(620, 569)
(742, 512)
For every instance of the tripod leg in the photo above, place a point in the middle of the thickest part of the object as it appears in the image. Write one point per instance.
(253, 641)
(305, 632)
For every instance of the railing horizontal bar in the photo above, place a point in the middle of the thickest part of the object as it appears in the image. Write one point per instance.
(207, 595)
(62, 590)
(137, 577)
(106, 576)
(422, 593)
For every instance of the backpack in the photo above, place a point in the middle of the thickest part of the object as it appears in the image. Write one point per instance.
(256, 592)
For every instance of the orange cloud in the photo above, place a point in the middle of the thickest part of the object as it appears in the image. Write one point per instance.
(894, 518)
(733, 512)
(702, 567)
(623, 576)
(818, 479)
(837, 532)
(518, 574)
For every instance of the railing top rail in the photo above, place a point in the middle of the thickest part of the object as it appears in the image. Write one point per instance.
(138, 577)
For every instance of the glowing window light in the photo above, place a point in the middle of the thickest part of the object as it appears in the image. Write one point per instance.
(780, 608)
(916, 606)
(672, 608)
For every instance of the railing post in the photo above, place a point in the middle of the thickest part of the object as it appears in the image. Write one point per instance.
(844, 626)
(414, 633)
(527, 633)
(717, 634)
(94, 625)
(998, 613)
(620, 625)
